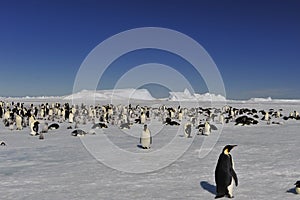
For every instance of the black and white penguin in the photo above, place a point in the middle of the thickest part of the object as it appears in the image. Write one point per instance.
(125, 126)
(266, 117)
(53, 126)
(34, 126)
(19, 122)
(297, 188)
(146, 138)
(71, 117)
(188, 130)
(207, 129)
(170, 122)
(99, 125)
(143, 118)
(2, 143)
(78, 133)
(245, 120)
(221, 118)
(225, 174)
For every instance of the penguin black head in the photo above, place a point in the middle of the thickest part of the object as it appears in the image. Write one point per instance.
(228, 148)
(297, 184)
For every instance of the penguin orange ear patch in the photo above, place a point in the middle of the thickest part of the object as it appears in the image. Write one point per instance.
(226, 151)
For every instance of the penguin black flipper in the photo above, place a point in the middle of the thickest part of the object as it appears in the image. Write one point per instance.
(233, 174)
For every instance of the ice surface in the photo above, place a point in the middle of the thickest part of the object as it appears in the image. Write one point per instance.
(266, 161)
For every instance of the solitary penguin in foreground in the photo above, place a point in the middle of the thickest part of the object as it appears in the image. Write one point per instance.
(297, 189)
(225, 174)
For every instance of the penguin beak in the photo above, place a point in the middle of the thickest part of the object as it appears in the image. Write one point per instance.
(231, 147)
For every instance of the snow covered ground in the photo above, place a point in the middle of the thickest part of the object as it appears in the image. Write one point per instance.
(60, 167)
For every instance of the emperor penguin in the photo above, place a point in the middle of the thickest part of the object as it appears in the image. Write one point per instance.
(143, 118)
(187, 130)
(31, 120)
(225, 174)
(146, 138)
(50, 112)
(180, 115)
(71, 117)
(296, 114)
(7, 114)
(78, 133)
(42, 113)
(34, 126)
(266, 117)
(53, 126)
(221, 118)
(297, 188)
(19, 122)
(207, 129)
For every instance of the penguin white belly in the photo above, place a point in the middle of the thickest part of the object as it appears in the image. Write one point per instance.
(145, 140)
(230, 188)
(143, 119)
(19, 123)
(221, 119)
(206, 129)
(32, 131)
(180, 116)
(71, 118)
(297, 190)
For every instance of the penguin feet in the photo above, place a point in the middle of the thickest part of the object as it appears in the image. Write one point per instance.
(220, 196)
(223, 195)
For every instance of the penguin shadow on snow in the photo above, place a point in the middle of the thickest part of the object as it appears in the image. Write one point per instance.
(292, 191)
(208, 187)
(141, 147)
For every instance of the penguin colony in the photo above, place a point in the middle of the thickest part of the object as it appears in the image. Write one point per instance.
(44, 118)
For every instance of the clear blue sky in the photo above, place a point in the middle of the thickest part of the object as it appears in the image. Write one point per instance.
(255, 44)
